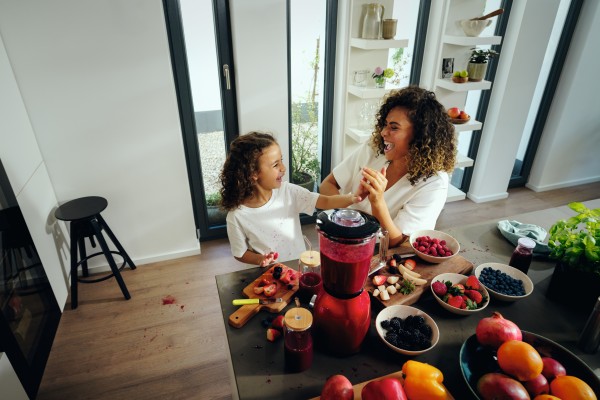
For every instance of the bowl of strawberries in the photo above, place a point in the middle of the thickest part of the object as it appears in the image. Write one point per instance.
(460, 294)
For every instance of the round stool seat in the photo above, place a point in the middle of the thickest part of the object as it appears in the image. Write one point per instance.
(82, 208)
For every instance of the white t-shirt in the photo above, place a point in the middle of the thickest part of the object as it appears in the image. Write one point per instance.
(411, 207)
(274, 226)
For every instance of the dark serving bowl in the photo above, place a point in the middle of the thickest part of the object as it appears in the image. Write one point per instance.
(477, 360)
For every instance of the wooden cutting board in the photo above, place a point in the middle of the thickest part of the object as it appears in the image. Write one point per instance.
(245, 312)
(456, 264)
(398, 375)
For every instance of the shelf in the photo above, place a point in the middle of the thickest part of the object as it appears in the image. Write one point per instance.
(463, 161)
(471, 41)
(378, 44)
(359, 135)
(463, 87)
(454, 194)
(367, 92)
(472, 125)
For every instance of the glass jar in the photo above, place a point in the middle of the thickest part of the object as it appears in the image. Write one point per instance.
(297, 337)
(522, 255)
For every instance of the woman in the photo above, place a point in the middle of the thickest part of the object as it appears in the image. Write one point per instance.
(404, 168)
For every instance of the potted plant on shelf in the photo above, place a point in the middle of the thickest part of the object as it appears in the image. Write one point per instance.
(575, 245)
(478, 62)
(213, 209)
(305, 164)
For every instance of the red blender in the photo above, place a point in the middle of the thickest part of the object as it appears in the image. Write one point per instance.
(342, 310)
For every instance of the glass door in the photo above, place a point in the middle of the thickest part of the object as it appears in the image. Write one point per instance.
(201, 53)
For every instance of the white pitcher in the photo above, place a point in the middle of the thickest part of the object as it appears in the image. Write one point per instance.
(372, 21)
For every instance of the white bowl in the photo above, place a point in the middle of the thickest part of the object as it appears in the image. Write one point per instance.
(403, 312)
(451, 243)
(474, 27)
(510, 271)
(459, 278)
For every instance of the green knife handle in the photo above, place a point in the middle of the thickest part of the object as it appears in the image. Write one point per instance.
(241, 302)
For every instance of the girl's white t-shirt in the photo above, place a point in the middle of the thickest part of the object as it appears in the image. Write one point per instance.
(411, 207)
(274, 226)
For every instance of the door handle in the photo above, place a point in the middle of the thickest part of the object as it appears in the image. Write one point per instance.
(226, 74)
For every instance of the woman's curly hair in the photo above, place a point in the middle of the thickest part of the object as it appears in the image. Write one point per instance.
(433, 147)
(241, 163)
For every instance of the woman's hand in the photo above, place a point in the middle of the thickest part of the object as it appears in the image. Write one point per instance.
(373, 185)
(269, 258)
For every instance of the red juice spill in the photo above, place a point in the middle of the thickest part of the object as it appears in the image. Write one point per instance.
(168, 300)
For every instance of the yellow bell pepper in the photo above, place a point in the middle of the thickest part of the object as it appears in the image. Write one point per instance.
(423, 381)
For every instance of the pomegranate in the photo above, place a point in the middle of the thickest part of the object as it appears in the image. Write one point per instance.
(494, 385)
(495, 330)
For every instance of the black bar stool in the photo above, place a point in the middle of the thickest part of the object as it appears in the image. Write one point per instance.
(86, 222)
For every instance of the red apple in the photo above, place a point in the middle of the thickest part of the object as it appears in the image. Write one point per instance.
(337, 387)
(537, 385)
(552, 368)
(454, 112)
(464, 115)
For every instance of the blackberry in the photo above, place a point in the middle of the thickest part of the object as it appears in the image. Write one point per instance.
(385, 324)
(276, 274)
(418, 320)
(278, 269)
(392, 338)
(426, 331)
(396, 324)
(397, 257)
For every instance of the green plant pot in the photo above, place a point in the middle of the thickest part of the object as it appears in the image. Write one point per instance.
(307, 181)
(573, 287)
(476, 71)
(216, 215)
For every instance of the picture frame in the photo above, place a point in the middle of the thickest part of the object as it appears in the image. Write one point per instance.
(447, 67)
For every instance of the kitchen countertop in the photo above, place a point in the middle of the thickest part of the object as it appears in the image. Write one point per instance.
(257, 367)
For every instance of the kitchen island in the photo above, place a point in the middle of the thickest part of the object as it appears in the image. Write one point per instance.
(257, 366)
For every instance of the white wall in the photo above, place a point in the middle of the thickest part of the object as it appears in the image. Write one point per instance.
(96, 81)
(569, 152)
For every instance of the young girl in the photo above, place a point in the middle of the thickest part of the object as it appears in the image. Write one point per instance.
(263, 221)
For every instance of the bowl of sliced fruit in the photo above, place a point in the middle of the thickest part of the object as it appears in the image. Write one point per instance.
(407, 330)
(460, 294)
(434, 246)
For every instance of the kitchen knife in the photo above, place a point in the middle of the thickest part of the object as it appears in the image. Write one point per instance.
(241, 302)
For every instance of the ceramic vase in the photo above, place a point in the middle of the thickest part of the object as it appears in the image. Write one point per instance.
(476, 71)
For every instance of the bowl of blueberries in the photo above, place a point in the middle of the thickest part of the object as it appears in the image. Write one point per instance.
(407, 330)
(504, 282)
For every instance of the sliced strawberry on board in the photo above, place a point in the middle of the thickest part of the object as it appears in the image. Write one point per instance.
(379, 280)
(270, 290)
(278, 322)
(410, 264)
(258, 289)
(273, 334)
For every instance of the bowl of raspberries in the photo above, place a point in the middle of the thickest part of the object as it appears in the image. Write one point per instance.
(504, 282)
(407, 330)
(460, 294)
(434, 246)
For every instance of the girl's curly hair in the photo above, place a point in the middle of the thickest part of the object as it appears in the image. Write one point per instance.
(241, 163)
(433, 147)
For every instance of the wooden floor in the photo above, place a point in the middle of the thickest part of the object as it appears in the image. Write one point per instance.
(109, 348)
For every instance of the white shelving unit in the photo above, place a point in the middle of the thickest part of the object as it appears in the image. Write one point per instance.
(453, 43)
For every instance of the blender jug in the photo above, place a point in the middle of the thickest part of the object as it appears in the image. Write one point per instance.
(347, 241)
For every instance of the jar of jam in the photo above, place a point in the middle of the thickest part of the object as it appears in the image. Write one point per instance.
(523, 254)
(310, 261)
(297, 337)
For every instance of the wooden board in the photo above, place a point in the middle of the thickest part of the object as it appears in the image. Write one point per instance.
(398, 375)
(245, 312)
(456, 264)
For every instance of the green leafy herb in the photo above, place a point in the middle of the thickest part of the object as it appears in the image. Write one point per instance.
(575, 242)
(406, 287)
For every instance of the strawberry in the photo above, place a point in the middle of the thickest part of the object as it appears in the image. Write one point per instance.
(439, 288)
(273, 334)
(278, 323)
(379, 280)
(460, 287)
(455, 301)
(410, 264)
(270, 290)
(393, 263)
(264, 282)
(258, 289)
(474, 295)
(472, 282)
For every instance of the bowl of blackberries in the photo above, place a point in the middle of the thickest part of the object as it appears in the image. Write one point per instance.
(407, 330)
(504, 282)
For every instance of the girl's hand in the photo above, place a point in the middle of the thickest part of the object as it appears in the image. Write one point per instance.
(374, 183)
(269, 258)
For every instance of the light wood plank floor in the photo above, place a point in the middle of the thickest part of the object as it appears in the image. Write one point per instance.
(109, 348)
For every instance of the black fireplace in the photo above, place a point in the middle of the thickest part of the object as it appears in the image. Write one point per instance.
(30, 314)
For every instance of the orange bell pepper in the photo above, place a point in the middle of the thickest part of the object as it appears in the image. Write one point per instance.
(423, 381)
